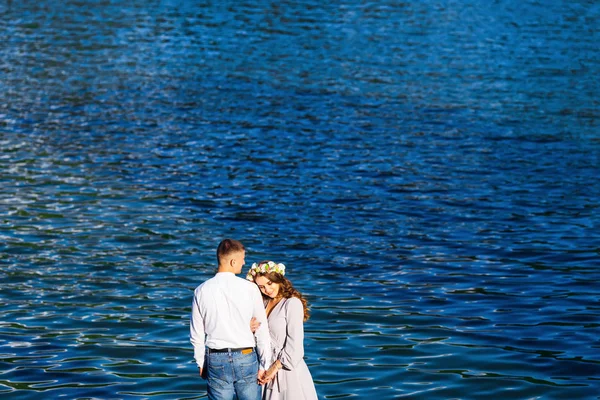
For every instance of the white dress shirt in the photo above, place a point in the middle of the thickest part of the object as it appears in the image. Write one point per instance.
(221, 312)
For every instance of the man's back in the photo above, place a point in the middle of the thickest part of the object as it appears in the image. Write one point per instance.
(226, 304)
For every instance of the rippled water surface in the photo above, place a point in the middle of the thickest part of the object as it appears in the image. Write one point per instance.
(428, 172)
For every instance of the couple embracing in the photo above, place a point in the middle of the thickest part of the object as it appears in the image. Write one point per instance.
(248, 334)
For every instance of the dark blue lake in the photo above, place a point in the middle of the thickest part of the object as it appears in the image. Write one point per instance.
(428, 172)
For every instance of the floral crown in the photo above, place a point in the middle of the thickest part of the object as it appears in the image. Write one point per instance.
(265, 268)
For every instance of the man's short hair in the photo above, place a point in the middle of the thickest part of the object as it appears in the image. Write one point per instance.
(227, 247)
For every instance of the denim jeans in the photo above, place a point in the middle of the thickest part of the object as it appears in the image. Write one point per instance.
(231, 374)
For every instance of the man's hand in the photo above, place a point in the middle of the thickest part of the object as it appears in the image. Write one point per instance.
(201, 376)
(254, 325)
(261, 373)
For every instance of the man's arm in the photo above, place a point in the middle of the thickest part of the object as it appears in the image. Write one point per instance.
(263, 339)
(197, 334)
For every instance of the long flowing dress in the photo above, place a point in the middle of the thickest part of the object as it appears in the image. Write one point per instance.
(286, 325)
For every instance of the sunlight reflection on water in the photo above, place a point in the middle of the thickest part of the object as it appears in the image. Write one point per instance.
(427, 171)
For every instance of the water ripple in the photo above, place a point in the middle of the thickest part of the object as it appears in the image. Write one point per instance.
(428, 172)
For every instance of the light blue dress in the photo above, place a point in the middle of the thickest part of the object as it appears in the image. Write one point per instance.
(286, 326)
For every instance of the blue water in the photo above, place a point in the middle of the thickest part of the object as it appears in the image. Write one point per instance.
(427, 171)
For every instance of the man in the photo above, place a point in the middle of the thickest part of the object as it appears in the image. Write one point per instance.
(224, 346)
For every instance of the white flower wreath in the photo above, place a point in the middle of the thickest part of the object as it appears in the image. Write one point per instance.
(264, 268)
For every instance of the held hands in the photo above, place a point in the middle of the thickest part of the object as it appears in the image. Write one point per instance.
(270, 373)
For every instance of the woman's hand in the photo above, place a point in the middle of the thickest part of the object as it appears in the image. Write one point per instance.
(254, 325)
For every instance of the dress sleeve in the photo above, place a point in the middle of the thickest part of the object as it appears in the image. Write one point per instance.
(293, 349)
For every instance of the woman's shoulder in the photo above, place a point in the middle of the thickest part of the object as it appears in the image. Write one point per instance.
(293, 302)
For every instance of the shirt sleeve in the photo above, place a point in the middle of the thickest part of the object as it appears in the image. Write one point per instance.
(293, 351)
(197, 333)
(263, 338)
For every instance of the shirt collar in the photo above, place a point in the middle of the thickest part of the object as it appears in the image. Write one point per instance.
(225, 274)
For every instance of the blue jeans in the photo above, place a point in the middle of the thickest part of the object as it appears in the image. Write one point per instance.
(231, 374)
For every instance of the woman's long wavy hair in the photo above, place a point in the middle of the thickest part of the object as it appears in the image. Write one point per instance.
(286, 289)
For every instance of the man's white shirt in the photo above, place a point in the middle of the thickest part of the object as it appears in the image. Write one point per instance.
(221, 312)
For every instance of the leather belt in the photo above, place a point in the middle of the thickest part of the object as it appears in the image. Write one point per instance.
(243, 350)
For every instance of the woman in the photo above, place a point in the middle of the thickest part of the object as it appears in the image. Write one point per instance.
(288, 378)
